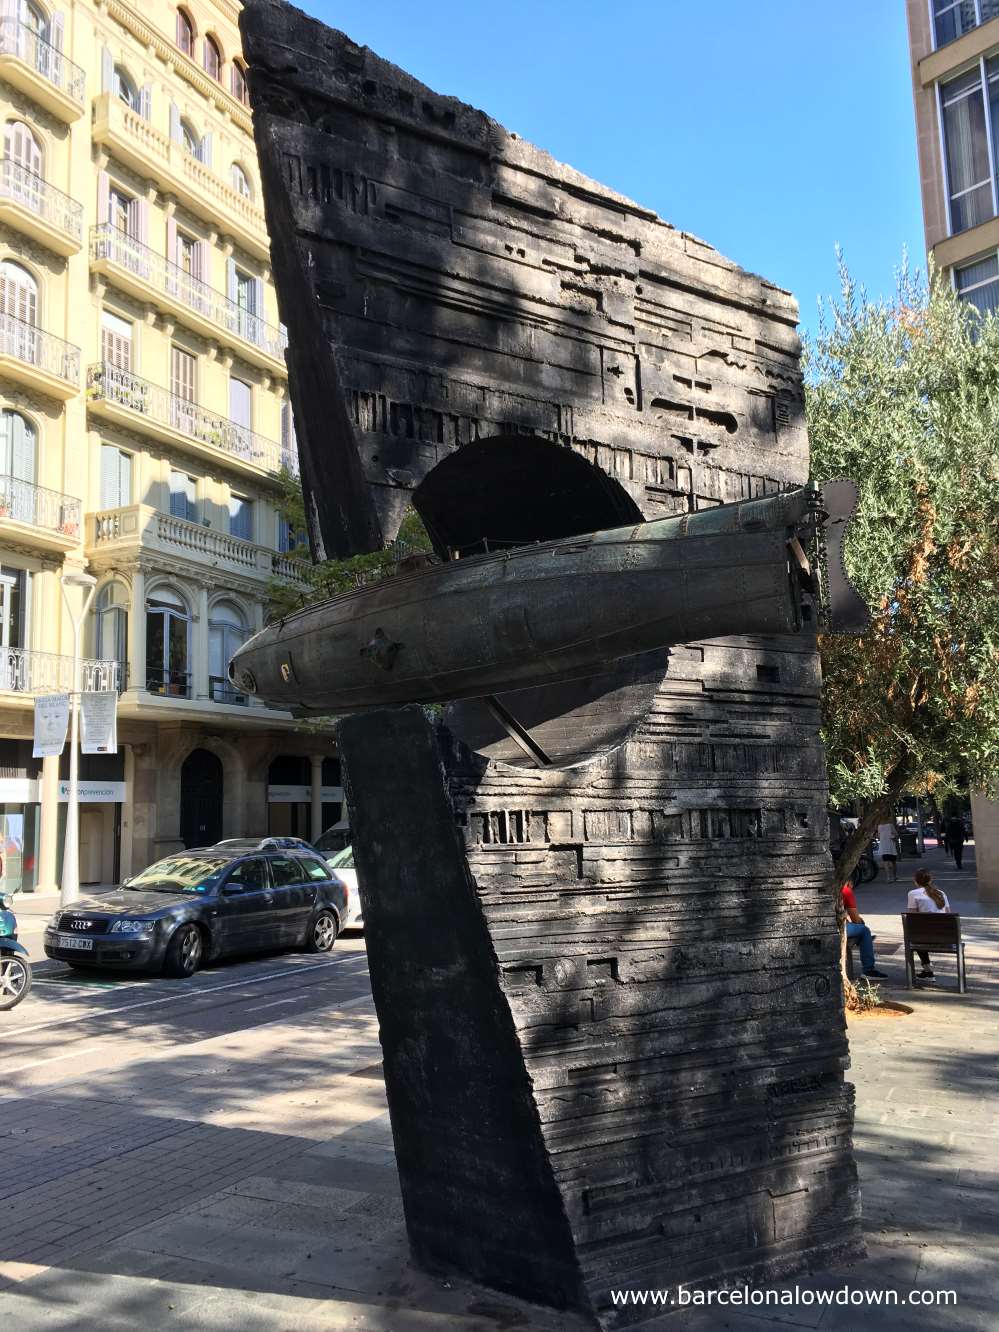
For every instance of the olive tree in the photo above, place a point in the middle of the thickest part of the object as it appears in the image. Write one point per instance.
(903, 396)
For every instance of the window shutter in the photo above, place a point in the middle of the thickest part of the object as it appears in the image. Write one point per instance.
(142, 221)
(258, 297)
(57, 29)
(201, 253)
(206, 150)
(107, 70)
(232, 285)
(6, 432)
(22, 450)
(103, 198)
(172, 253)
(176, 133)
(109, 476)
(146, 102)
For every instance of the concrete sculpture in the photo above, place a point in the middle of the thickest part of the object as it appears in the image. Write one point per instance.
(601, 941)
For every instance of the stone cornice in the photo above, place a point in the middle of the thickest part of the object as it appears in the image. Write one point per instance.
(186, 68)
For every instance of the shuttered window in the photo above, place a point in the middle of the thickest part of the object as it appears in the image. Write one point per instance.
(116, 341)
(116, 477)
(241, 517)
(183, 496)
(183, 368)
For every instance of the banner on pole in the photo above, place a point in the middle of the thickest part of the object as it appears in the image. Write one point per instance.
(51, 724)
(99, 721)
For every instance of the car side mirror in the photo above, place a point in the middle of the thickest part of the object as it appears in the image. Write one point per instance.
(231, 889)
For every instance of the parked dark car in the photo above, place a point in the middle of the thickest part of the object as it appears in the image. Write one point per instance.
(196, 906)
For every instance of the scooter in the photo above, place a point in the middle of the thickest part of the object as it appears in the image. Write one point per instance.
(15, 969)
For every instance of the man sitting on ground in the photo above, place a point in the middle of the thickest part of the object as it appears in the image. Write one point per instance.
(856, 929)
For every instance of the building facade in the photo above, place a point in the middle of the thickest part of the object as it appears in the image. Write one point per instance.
(954, 50)
(144, 420)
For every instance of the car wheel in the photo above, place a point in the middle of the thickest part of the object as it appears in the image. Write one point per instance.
(185, 951)
(322, 933)
(15, 980)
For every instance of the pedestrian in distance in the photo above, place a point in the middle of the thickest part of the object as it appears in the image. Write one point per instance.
(888, 846)
(858, 930)
(955, 840)
(927, 897)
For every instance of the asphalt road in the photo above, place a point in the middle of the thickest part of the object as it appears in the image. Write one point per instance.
(76, 1023)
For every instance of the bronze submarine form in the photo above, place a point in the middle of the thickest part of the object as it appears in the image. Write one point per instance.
(545, 613)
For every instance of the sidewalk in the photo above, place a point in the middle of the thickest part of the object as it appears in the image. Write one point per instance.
(256, 1189)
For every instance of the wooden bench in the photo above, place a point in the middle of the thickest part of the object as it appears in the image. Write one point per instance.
(932, 932)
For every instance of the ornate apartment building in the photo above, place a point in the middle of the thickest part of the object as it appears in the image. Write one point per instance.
(144, 418)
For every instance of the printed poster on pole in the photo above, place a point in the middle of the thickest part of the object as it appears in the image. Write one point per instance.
(51, 724)
(99, 721)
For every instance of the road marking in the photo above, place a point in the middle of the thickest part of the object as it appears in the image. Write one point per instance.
(273, 1004)
(356, 1003)
(185, 994)
(52, 1059)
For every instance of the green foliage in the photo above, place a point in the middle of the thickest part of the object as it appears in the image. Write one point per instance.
(331, 577)
(903, 396)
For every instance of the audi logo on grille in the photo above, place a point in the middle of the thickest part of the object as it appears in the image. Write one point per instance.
(80, 924)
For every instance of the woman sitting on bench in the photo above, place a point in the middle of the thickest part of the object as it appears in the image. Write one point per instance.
(926, 896)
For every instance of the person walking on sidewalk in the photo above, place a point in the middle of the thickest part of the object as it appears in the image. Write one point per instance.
(926, 896)
(856, 929)
(888, 846)
(955, 839)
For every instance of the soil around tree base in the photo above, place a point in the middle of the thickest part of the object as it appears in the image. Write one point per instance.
(887, 1009)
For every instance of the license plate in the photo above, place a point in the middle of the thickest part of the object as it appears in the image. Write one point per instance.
(73, 941)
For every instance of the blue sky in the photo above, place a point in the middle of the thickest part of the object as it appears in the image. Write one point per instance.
(771, 128)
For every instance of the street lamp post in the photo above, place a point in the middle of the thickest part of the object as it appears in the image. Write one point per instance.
(71, 846)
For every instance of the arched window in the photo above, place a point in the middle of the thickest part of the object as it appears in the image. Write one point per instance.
(18, 465)
(168, 643)
(21, 146)
(125, 89)
(111, 624)
(18, 293)
(237, 82)
(191, 139)
(35, 19)
(227, 631)
(185, 32)
(213, 59)
(240, 181)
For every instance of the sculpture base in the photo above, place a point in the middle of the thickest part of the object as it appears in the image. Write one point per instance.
(591, 1095)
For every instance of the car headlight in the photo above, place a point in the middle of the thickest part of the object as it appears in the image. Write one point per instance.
(131, 926)
(54, 922)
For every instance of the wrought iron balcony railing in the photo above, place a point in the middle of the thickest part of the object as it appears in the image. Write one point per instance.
(27, 503)
(23, 671)
(22, 186)
(175, 684)
(18, 38)
(26, 342)
(222, 690)
(109, 383)
(111, 243)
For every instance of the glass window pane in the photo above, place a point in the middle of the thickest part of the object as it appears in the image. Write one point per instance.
(286, 871)
(966, 141)
(980, 271)
(251, 874)
(953, 18)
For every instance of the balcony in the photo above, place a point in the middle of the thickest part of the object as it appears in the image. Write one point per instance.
(120, 396)
(41, 71)
(37, 209)
(149, 277)
(111, 531)
(23, 671)
(42, 518)
(38, 360)
(139, 145)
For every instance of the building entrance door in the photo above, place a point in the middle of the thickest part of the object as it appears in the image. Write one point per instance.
(201, 799)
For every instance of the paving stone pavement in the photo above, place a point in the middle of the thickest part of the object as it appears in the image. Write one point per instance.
(246, 1180)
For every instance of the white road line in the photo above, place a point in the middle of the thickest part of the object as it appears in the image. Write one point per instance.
(186, 994)
(356, 1003)
(52, 1059)
(273, 1004)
